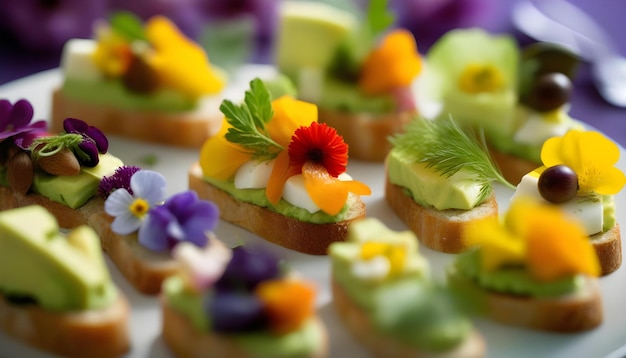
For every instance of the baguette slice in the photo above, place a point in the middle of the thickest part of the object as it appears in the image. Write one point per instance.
(576, 312)
(608, 246)
(512, 168)
(144, 269)
(95, 333)
(379, 345)
(288, 232)
(439, 230)
(184, 129)
(366, 134)
(187, 342)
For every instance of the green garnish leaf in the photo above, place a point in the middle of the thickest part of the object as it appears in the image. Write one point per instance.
(248, 122)
(379, 17)
(128, 25)
(444, 146)
(149, 160)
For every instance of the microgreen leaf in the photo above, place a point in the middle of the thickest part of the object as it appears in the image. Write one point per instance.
(444, 146)
(379, 17)
(128, 25)
(248, 122)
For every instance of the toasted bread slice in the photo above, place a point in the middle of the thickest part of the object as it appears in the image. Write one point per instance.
(94, 333)
(512, 168)
(144, 269)
(608, 246)
(579, 311)
(184, 129)
(285, 231)
(440, 230)
(187, 342)
(366, 134)
(359, 324)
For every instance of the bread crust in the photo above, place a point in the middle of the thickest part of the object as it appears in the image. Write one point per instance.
(439, 230)
(512, 168)
(288, 232)
(95, 333)
(570, 313)
(144, 269)
(183, 129)
(187, 342)
(608, 246)
(366, 134)
(359, 324)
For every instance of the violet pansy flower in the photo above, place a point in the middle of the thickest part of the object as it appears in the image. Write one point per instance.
(94, 141)
(130, 210)
(183, 217)
(15, 121)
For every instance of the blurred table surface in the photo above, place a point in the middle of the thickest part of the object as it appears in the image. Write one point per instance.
(587, 105)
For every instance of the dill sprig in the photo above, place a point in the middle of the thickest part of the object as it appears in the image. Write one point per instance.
(248, 122)
(444, 146)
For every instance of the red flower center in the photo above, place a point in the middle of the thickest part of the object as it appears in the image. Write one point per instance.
(320, 144)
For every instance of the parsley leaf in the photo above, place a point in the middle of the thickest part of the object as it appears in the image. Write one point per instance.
(379, 18)
(248, 122)
(128, 25)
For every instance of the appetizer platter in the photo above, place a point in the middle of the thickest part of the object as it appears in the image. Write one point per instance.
(173, 163)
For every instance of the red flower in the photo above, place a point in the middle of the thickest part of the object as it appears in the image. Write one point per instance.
(320, 144)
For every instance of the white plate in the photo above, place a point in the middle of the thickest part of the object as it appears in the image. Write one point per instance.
(502, 341)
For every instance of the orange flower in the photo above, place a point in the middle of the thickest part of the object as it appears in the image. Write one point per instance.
(288, 303)
(395, 63)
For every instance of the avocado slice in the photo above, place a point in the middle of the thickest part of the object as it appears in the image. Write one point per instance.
(60, 274)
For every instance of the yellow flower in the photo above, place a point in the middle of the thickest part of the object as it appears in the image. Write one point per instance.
(540, 237)
(498, 246)
(591, 155)
(112, 55)
(181, 63)
(395, 253)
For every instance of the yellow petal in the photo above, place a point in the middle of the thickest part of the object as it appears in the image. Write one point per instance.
(181, 63)
(610, 181)
(327, 192)
(289, 115)
(557, 246)
(220, 158)
(498, 246)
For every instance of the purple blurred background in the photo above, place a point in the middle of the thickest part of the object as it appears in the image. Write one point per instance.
(32, 33)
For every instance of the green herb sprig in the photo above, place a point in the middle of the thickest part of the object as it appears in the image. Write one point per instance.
(379, 18)
(248, 122)
(444, 146)
(128, 25)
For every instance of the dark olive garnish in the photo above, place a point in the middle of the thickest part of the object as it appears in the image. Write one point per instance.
(140, 77)
(549, 92)
(558, 184)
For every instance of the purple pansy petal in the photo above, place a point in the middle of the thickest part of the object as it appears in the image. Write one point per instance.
(89, 156)
(152, 234)
(74, 125)
(21, 114)
(181, 203)
(149, 185)
(5, 110)
(118, 202)
(102, 143)
(125, 224)
(196, 231)
(34, 131)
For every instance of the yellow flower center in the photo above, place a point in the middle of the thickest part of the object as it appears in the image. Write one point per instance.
(396, 254)
(478, 78)
(588, 179)
(139, 207)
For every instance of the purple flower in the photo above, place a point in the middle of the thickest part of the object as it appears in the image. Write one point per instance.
(94, 141)
(15, 121)
(119, 180)
(183, 217)
(129, 210)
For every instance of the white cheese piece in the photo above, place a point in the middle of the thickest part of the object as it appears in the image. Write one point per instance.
(77, 60)
(375, 269)
(587, 211)
(536, 130)
(253, 174)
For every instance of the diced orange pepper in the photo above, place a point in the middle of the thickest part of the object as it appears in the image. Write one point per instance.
(288, 303)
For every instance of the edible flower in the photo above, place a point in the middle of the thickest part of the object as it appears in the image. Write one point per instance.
(473, 74)
(536, 236)
(321, 155)
(15, 122)
(113, 54)
(119, 179)
(92, 143)
(201, 267)
(381, 259)
(129, 210)
(183, 217)
(591, 155)
(395, 63)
